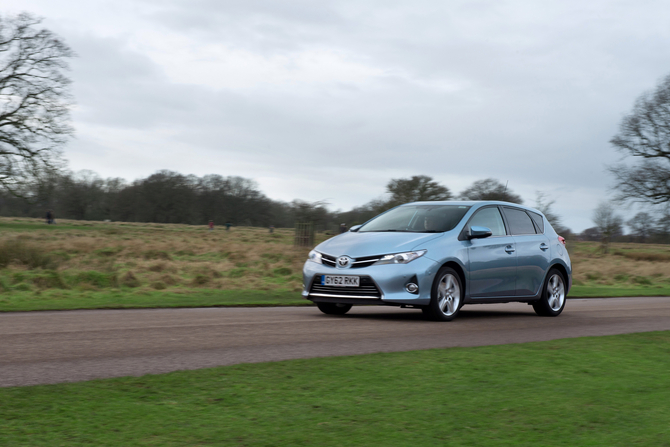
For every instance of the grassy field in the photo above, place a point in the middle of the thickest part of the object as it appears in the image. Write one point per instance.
(602, 391)
(627, 270)
(78, 264)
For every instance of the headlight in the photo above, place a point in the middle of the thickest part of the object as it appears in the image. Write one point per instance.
(314, 256)
(401, 258)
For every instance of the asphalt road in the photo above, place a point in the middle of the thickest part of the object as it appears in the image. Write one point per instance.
(53, 347)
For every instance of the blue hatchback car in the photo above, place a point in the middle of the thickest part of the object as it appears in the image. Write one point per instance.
(438, 256)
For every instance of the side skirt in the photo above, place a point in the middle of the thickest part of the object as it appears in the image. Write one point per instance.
(502, 299)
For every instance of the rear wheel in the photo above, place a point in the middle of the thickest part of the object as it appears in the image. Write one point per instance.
(334, 308)
(552, 302)
(446, 296)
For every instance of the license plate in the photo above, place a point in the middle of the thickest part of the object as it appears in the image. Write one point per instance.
(340, 281)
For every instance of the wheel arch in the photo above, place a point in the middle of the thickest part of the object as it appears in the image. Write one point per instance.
(460, 271)
(561, 268)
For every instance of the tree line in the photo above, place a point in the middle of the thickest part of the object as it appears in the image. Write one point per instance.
(171, 197)
(163, 197)
(644, 226)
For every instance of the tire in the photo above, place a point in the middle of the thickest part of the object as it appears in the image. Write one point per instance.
(334, 308)
(552, 302)
(446, 296)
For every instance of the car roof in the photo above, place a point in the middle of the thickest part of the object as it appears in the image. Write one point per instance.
(477, 203)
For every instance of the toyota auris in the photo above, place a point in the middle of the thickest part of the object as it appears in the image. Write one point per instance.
(438, 256)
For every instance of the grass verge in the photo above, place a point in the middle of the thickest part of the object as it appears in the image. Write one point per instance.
(610, 391)
(607, 291)
(126, 298)
(138, 299)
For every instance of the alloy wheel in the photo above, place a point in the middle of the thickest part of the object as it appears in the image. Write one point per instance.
(555, 292)
(448, 295)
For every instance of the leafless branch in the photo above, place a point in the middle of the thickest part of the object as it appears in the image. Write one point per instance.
(34, 100)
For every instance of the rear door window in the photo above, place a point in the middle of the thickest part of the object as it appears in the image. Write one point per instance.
(519, 222)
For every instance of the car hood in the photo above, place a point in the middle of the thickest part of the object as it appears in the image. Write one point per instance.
(357, 245)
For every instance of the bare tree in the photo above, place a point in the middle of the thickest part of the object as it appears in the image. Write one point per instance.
(315, 213)
(490, 189)
(608, 223)
(641, 225)
(543, 204)
(363, 213)
(34, 100)
(645, 134)
(661, 230)
(415, 189)
(591, 234)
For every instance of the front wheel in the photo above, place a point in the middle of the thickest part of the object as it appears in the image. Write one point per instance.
(334, 308)
(552, 302)
(446, 296)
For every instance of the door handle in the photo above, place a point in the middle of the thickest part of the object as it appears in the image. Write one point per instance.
(509, 249)
(543, 246)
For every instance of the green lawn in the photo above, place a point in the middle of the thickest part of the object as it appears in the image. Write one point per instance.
(128, 298)
(604, 291)
(597, 391)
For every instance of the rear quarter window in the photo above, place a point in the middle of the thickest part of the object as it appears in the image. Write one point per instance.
(539, 221)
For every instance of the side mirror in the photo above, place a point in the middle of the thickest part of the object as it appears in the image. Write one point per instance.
(355, 228)
(478, 232)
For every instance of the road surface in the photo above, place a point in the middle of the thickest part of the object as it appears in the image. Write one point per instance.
(67, 346)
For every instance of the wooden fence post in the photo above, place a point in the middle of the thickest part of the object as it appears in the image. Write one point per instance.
(304, 234)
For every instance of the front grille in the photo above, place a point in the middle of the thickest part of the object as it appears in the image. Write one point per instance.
(328, 260)
(356, 263)
(366, 289)
(364, 262)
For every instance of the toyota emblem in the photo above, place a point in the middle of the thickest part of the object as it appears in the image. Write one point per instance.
(343, 261)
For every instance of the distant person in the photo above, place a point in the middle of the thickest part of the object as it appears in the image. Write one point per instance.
(228, 225)
(50, 217)
(343, 228)
(272, 228)
(211, 225)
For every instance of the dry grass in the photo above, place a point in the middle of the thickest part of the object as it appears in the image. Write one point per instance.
(158, 256)
(626, 263)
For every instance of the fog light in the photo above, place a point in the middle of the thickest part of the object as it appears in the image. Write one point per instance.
(411, 287)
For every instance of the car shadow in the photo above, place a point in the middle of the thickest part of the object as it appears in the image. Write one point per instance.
(476, 314)
(417, 315)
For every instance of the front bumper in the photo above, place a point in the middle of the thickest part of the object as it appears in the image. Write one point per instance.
(389, 280)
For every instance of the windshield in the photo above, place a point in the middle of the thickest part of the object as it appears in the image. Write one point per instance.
(418, 219)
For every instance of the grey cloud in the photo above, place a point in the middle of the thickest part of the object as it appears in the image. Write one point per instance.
(118, 87)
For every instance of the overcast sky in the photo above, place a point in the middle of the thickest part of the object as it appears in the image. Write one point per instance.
(329, 100)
